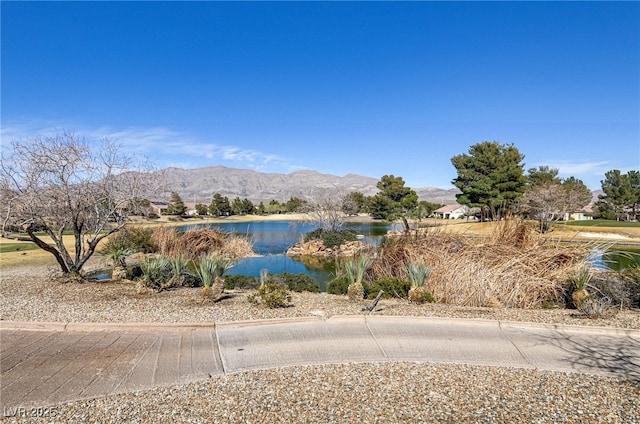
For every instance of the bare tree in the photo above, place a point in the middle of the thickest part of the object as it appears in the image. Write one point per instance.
(56, 185)
(550, 201)
(545, 202)
(326, 211)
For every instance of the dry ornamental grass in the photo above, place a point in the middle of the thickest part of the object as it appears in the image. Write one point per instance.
(514, 267)
(198, 242)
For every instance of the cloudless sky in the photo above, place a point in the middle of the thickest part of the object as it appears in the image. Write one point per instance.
(370, 88)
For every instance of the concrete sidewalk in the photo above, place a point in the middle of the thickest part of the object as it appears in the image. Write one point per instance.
(47, 363)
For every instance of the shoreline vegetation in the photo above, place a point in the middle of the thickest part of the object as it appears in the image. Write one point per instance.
(16, 252)
(479, 257)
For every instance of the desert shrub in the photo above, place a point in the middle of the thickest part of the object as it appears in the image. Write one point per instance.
(297, 282)
(611, 285)
(621, 288)
(331, 238)
(133, 238)
(392, 287)
(240, 282)
(515, 266)
(273, 295)
(597, 307)
(140, 239)
(179, 270)
(338, 285)
(632, 283)
(420, 295)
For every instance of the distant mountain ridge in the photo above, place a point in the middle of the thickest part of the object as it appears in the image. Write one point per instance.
(200, 184)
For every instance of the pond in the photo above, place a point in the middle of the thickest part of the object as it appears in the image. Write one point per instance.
(271, 240)
(616, 259)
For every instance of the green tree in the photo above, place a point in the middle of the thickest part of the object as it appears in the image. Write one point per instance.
(603, 210)
(295, 204)
(262, 210)
(543, 174)
(490, 177)
(424, 209)
(201, 209)
(577, 194)
(634, 180)
(381, 207)
(619, 192)
(274, 207)
(236, 207)
(248, 207)
(176, 205)
(401, 199)
(219, 205)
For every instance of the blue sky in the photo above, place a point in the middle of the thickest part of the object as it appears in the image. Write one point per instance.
(370, 88)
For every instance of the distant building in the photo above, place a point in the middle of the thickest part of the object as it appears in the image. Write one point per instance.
(159, 207)
(585, 213)
(453, 211)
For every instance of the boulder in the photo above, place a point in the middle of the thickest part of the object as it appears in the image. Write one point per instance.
(317, 248)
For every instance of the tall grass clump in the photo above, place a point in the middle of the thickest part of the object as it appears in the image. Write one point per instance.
(198, 242)
(209, 270)
(513, 267)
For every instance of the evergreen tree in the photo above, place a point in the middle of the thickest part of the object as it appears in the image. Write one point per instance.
(490, 177)
(248, 207)
(219, 205)
(201, 209)
(621, 191)
(394, 201)
(176, 205)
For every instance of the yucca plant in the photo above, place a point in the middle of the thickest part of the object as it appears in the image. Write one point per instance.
(355, 269)
(210, 269)
(118, 252)
(179, 268)
(155, 271)
(418, 273)
(264, 273)
(579, 284)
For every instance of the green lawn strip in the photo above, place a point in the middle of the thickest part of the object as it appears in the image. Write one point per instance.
(17, 247)
(602, 223)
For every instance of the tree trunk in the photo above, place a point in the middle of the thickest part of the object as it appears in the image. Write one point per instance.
(44, 246)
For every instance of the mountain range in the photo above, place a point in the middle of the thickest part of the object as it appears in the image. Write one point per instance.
(200, 184)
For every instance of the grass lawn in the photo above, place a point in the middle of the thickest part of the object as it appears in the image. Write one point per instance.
(17, 247)
(602, 223)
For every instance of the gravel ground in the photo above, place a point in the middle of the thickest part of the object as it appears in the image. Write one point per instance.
(380, 392)
(27, 295)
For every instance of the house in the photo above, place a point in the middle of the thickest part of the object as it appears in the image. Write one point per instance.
(585, 213)
(159, 207)
(453, 211)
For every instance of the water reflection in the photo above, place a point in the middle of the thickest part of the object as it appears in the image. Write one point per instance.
(272, 239)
